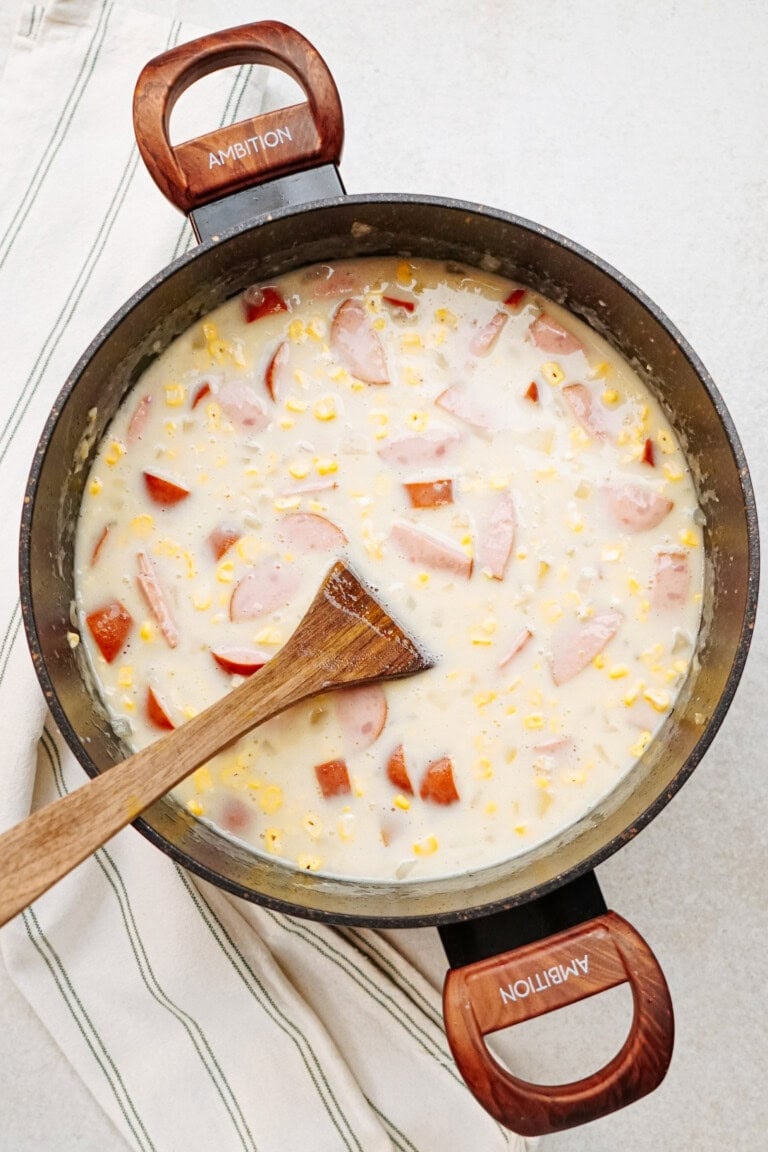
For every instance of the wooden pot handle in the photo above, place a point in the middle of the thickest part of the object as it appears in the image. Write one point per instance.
(484, 997)
(251, 151)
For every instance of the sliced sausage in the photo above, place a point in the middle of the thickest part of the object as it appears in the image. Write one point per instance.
(575, 645)
(356, 345)
(636, 507)
(497, 537)
(308, 532)
(362, 714)
(423, 548)
(550, 336)
(267, 586)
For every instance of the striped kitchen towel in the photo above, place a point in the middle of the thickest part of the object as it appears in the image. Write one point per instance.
(198, 1022)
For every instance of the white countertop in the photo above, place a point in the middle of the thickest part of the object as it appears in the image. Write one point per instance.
(640, 130)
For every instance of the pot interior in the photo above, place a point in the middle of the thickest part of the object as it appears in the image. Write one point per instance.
(441, 230)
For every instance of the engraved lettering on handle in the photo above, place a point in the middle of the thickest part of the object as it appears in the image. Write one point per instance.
(250, 145)
(544, 979)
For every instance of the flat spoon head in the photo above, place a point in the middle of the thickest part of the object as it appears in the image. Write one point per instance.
(345, 638)
(348, 638)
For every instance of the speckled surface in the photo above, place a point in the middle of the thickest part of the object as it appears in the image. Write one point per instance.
(639, 131)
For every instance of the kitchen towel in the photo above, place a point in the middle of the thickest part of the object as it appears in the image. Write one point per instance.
(197, 1021)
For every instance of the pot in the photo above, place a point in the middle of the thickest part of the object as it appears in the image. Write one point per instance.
(522, 937)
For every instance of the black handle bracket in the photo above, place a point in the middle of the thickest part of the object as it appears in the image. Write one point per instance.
(468, 941)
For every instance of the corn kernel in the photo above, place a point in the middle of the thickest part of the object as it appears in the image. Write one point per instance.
(95, 486)
(579, 437)
(295, 405)
(611, 553)
(658, 698)
(373, 544)
(225, 572)
(189, 712)
(411, 342)
(299, 470)
(520, 829)
(689, 538)
(269, 635)
(491, 809)
(546, 473)
(195, 807)
(489, 625)
(202, 779)
(618, 671)
(316, 329)
(287, 503)
(552, 372)
(633, 693)
(422, 579)
(533, 721)
(417, 421)
(411, 376)
(665, 441)
(610, 396)
(271, 798)
(309, 863)
(426, 847)
(286, 422)
(233, 775)
(483, 769)
(642, 743)
(601, 370)
(404, 273)
(175, 395)
(296, 331)
(146, 631)
(672, 472)
(114, 452)
(128, 704)
(680, 667)
(346, 827)
(634, 586)
(445, 316)
(482, 699)
(125, 676)
(272, 841)
(249, 548)
(325, 466)
(480, 641)
(401, 802)
(379, 323)
(551, 610)
(325, 408)
(312, 825)
(599, 661)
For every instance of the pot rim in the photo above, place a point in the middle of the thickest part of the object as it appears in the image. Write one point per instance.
(741, 650)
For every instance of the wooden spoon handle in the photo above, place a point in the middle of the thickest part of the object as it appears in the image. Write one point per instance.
(487, 996)
(345, 638)
(55, 839)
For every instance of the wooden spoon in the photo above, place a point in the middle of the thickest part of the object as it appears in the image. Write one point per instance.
(345, 638)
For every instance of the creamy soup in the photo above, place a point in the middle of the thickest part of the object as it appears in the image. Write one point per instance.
(490, 467)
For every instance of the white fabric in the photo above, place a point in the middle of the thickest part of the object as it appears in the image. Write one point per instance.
(199, 1022)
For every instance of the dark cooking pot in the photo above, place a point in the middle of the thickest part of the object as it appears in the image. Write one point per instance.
(264, 197)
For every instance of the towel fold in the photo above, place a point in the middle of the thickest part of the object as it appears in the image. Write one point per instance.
(196, 1020)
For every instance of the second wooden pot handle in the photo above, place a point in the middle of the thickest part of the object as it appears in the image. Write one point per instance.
(487, 996)
(251, 151)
